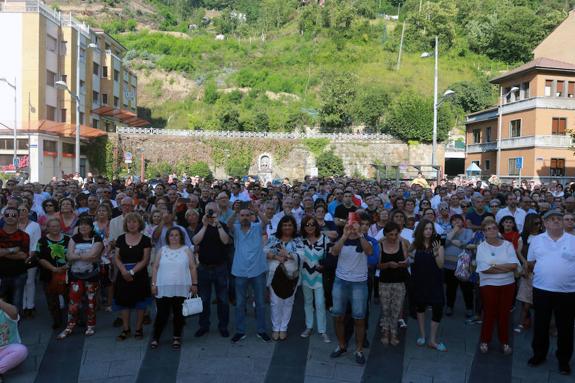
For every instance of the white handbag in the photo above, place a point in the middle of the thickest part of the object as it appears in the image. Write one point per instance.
(192, 305)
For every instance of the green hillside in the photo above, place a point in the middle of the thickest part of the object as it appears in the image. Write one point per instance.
(285, 64)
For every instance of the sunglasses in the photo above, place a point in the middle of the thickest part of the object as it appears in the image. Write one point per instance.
(310, 225)
(10, 215)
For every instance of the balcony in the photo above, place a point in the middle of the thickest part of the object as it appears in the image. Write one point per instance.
(562, 142)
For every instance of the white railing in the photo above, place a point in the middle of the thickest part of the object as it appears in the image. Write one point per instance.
(553, 141)
(235, 134)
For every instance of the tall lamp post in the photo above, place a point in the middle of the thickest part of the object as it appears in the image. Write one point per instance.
(13, 86)
(500, 123)
(436, 103)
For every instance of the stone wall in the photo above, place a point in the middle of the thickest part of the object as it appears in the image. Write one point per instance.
(288, 157)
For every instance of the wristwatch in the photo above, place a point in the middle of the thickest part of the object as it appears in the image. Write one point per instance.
(131, 272)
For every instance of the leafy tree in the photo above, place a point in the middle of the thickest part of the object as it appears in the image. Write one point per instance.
(370, 106)
(472, 96)
(198, 168)
(435, 19)
(337, 93)
(410, 117)
(329, 165)
(211, 92)
(228, 117)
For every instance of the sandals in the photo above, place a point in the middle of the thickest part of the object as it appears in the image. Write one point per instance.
(177, 343)
(66, 333)
(139, 334)
(438, 347)
(421, 342)
(507, 350)
(90, 330)
(125, 334)
(154, 344)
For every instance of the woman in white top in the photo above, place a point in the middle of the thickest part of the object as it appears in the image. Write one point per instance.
(34, 232)
(496, 263)
(174, 275)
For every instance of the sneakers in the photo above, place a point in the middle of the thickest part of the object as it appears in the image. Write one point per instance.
(325, 338)
(263, 336)
(402, 323)
(484, 348)
(306, 333)
(237, 337)
(507, 350)
(337, 352)
(201, 332)
(359, 357)
(224, 333)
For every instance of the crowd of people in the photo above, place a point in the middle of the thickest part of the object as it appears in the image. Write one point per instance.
(350, 245)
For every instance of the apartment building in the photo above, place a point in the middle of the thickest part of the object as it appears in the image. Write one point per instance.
(41, 47)
(536, 116)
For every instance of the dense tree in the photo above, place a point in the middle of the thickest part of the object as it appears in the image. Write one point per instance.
(472, 96)
(410, 117)
(337, 94)
(369, 107)
(329, 165)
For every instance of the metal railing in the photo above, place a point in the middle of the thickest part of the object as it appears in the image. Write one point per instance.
(545, 141)
(481, 148)
(236, 134)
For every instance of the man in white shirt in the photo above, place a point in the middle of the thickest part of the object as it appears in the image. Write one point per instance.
(512, 210)
(552, 256)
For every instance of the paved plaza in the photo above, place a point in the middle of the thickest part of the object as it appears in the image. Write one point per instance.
(214, 359)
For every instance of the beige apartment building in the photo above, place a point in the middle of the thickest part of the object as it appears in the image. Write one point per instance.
(537, 114)
(41, 47)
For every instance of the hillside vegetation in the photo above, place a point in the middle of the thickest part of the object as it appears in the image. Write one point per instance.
(286, 64)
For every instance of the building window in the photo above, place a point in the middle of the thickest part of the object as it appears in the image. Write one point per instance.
(548, 86)
(487, 164)
(116, 75)
(476, 136)
(62, 115)
(96, 69)
(557, 168)
(82, 86)
(68, 148)
(64, 77)
(104, 99)
(560, 89)
(50, 78)
(95, 124)
(476, 163)
(50, 113)
(513, 171)
(526, 90)
(559, 126)
(116, 101)
(82, 54)
(63, 49)
(488, 134)
(51, 43)
(515, 128)
(95, 97)
(105, 72)
(571, 89)
(51, 147)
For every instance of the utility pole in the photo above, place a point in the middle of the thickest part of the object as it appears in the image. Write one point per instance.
(400, 47)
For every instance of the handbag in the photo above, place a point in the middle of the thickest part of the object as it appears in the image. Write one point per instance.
(463, 269)
(282, 284)
(192, 305)
(57, 284)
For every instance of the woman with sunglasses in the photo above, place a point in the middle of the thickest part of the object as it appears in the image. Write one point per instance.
(533, 226)
(67, 215)
(34, 232)
(423, 204)
(315, 247)
(50, 209)
(496, 263)
(283, 248)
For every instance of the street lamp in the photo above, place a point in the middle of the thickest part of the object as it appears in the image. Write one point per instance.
(13, 86)
(500, 123)
(448, 93)
(62, 85)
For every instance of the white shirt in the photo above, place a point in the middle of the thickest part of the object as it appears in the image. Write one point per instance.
(488, 255)
(519, 216)
(554, 262)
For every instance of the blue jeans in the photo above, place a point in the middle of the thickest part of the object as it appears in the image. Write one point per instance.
(259, 285)
(12, 288)
(218, 277)
(345, 292)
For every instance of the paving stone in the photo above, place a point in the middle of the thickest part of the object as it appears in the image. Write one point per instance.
(416, 378)
(320, 369)
(94, 370)
(348, 372)
(124, 367)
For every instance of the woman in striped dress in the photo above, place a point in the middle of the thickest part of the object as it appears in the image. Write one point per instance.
(315, 250)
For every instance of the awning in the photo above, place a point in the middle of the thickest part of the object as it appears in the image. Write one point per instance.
(63, 129)
(473, 168)
(123, 116)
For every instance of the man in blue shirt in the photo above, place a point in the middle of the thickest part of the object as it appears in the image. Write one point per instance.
(249, 267)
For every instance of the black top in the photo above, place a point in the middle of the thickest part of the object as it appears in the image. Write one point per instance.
(398, 275)
(128, 294)
(54, 252)
(132, 254)
(13, 267)
(342, 212)
(427, 279)
(212, 250)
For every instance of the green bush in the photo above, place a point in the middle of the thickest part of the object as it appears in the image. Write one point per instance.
(198, 168)
(330, 165)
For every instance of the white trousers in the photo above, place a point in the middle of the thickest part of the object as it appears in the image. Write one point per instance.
(281, 310)
(30, 290)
